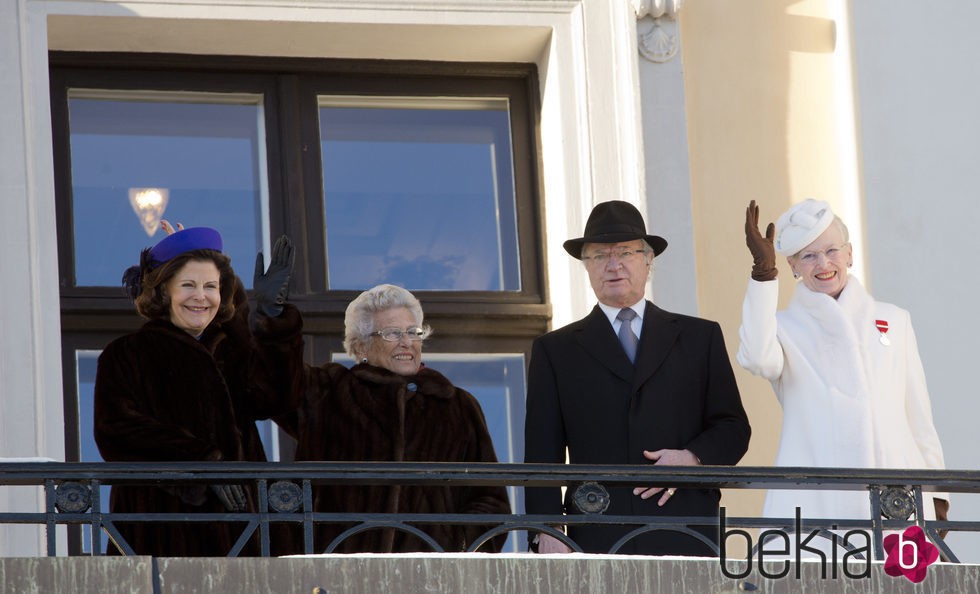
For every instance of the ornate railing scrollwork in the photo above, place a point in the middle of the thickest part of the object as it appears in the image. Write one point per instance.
(285, 496)
(897, 503)
(73, 498)
(591, 498)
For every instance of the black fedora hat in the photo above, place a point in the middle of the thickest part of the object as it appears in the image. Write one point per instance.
(613, 222)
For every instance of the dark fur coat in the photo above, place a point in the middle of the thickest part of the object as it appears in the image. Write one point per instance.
(368, 413)
(162, 395)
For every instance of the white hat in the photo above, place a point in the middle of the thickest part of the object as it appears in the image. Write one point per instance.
(801, 224)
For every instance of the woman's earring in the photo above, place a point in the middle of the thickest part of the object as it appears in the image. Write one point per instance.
(796, 274)
(364, 360)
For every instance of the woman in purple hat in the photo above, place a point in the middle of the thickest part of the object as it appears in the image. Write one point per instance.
(190, 383)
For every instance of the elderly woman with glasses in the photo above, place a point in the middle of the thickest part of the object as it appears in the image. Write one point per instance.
(844, 367)
(390, 407)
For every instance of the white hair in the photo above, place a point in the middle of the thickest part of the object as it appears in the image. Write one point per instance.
(359, 317)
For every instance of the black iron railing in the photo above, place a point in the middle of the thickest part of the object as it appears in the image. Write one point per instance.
(72, 497)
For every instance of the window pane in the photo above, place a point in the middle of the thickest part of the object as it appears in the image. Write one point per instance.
(497, 381)
(86, 363)
(206, 152)
(419, 193)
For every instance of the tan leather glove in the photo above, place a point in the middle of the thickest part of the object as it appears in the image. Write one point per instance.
(763, 252)
(942, 513)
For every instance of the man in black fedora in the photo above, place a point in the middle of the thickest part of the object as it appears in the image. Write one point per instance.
(631, 384)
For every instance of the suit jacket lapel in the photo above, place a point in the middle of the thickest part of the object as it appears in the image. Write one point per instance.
(597, 337)
(659, 333)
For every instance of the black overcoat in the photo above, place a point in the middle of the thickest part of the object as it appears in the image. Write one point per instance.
(584, 393)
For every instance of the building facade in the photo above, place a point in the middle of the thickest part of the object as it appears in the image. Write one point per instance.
(687, 109)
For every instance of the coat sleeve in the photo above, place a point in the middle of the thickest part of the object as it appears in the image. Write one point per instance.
(124, 430)
(481, 499)
(544, 430)
(726, 433)
(276, 376)
(759, 350)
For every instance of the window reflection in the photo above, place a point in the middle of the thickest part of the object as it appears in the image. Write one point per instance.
(205, 151)
(419, 193)
(86, 363)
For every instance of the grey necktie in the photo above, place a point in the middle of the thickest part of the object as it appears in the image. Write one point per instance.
(626, 336)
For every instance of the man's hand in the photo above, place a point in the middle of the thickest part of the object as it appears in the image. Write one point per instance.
(549, 544)
(666, 458)
(271, 287)
(763, 252)
(231, 496)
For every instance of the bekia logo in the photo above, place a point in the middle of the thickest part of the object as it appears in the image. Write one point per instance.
(909, 554)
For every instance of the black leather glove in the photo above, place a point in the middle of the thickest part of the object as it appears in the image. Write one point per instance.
(763, 252)
(271, 288)
(231, 496)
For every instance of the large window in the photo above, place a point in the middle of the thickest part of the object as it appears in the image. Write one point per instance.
(137, 157)
(419, 192)
(417, 174)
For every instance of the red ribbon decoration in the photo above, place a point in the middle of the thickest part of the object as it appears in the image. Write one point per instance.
(882, 326)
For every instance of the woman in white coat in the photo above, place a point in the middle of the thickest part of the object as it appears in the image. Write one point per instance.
(844, 367)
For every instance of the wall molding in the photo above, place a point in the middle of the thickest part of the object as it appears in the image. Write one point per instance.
(656, 35)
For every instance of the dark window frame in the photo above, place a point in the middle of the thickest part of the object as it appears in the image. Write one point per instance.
(466, 321)
(290, 87)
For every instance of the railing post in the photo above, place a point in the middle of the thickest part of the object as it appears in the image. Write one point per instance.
(49, 517)
(96, 524)
(874, 491)
(307, 517)
(263, 517)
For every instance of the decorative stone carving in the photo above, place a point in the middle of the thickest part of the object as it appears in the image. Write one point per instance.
(73, 498)
(657, 41)
(897, 503)
(591, 498)
(285, 496)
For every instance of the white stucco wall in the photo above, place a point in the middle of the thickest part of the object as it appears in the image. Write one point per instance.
(667, 173)
(919, 123)
(31, 422)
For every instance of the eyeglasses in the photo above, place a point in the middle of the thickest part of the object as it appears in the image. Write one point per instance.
(622, 255)
(413, 333)
(810, 258)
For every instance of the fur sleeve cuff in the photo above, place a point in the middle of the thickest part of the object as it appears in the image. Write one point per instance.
(288, 324)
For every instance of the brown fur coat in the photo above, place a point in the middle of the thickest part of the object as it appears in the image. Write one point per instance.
(368, 413)
(162, 395)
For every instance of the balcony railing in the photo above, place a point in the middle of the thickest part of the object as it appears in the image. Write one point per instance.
(72, 497)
